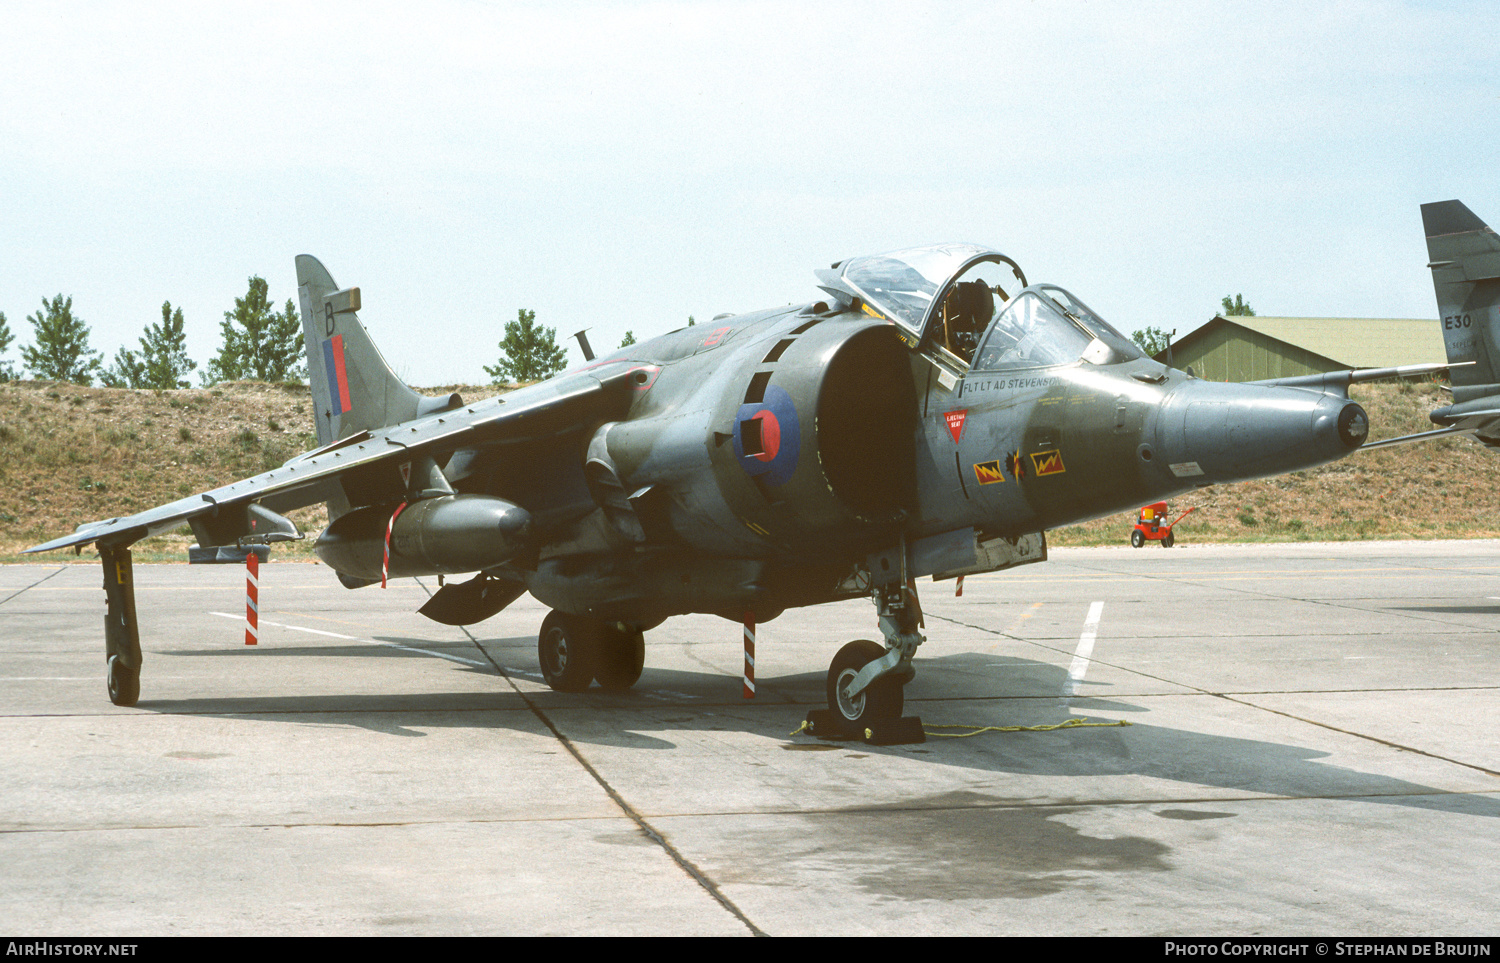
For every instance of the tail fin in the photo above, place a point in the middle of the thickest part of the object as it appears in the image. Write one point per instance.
(353, 389)
(1464, 255)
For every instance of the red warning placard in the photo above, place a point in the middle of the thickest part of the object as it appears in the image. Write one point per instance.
(955, 421)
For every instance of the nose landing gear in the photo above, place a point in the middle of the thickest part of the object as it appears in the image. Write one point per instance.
(866, 681)
(880, 701)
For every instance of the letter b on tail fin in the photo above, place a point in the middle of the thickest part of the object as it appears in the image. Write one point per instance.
(353, 389)
(1464, 255)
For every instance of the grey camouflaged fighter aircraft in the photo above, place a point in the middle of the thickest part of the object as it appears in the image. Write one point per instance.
(933, 416)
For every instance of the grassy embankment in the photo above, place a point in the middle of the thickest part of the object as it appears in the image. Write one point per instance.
(70, 454)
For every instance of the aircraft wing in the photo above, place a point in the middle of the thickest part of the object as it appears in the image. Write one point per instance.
(1341, 380)
(1418, 437)
(1479, 417)
(540, 410)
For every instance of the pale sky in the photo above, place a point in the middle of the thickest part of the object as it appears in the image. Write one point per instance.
(620, 166)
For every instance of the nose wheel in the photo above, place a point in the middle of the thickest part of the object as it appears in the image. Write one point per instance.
(880, 702)
(874, 712)
(866, 680)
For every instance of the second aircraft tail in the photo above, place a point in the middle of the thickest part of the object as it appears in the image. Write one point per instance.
(1464, 255)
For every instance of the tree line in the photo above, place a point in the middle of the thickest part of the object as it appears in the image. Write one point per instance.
(257, 343)
(262, 344)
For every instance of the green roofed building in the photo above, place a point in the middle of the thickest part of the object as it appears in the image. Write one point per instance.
(1254, 348)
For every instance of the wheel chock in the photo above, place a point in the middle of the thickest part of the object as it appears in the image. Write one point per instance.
(824, 724)
(905, 731)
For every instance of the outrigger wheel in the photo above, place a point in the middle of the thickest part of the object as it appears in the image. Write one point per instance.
(574, 650)
(122, 636)
(123, 682)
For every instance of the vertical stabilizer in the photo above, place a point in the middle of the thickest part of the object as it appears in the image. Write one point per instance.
(353, 389)
(1464, 255)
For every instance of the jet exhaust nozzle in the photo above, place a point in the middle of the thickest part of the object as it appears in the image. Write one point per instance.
(1353, 426)
(447, 535)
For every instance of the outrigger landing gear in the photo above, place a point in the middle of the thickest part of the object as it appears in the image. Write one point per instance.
(866, 681)
(122, 639)
(574, 650)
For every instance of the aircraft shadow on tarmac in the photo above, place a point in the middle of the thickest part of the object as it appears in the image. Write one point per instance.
(1450, 609)
(970, 688)
(392, 647)
(958, 845)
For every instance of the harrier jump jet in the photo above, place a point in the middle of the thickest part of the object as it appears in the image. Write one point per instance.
(932, 415)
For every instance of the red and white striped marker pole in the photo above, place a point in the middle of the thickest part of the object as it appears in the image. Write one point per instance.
(749, 691)
(252, 598)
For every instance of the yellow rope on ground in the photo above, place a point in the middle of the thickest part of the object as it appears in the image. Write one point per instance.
(1074, 723)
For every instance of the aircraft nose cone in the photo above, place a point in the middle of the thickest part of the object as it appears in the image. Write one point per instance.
(1230, 432)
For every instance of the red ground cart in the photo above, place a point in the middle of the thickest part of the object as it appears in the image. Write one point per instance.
(1149, 525)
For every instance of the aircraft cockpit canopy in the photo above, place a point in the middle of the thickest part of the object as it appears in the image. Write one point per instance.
(1047, 325)
(914, 287)
(972, 305)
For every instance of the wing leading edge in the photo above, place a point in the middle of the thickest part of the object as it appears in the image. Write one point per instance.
(538, 411)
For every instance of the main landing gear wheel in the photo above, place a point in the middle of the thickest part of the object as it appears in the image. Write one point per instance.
(1167, 540)
(1137, 539)
(568, 649)
(620, 658)
(880, 702)
(124, 682)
